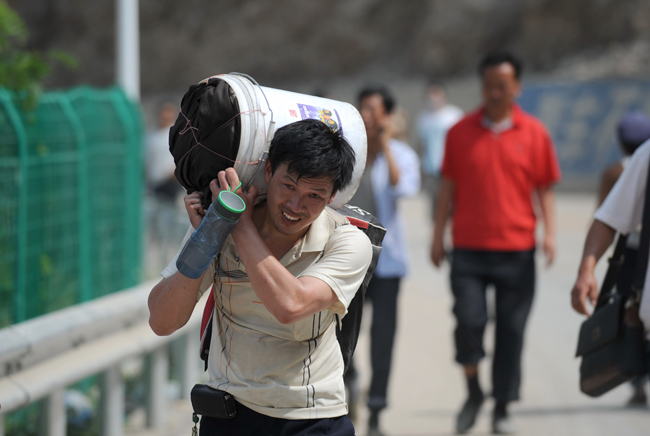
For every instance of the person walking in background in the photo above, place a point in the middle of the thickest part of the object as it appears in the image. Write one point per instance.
(392, 171)
(160, 162)
(632, 131)
(495, 159)
(166, 216)
(432, 127)
(622, 212)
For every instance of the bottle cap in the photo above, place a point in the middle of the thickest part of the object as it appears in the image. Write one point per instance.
(230, 205)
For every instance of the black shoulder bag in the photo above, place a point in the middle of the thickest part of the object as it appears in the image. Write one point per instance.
(611, 341)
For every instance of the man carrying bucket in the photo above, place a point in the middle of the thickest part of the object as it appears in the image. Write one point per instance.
(288, 267)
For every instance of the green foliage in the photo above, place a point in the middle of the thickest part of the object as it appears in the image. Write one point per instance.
(23, 70)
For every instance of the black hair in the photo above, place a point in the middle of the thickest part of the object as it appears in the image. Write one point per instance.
(383, 92)
(633, 130)
(629, 147)
(311, 149)
(497, 58)
(434, 81)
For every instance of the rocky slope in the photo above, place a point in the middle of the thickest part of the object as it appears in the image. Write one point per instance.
(285, 41)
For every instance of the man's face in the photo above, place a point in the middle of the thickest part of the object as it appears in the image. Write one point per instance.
(500, 87)
(293, 203)
(373, 112)
(168, 114)
(437, 97)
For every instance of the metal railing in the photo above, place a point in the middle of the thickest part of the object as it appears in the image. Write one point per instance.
(41, 357)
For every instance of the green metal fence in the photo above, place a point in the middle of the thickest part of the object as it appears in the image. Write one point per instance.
(70, 200)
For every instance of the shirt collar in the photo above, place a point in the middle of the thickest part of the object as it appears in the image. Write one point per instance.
(512, 121)
(318, 234)
(314, 241)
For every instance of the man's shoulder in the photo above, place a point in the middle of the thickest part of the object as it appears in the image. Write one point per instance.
(334, 218)
(470, 120)
(641, 153)
(341, 225)
(637, 166)
(529, 120)
(344, 233)
(400, 147)
(451, 110)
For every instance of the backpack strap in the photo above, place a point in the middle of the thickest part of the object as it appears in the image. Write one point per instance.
(206, 325)
(206, 328)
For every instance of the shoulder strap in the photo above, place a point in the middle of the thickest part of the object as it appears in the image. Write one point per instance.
(644, 245)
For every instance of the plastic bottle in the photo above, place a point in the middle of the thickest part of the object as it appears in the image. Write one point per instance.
(208, 238)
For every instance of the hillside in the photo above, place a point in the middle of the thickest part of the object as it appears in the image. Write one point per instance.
(288, 41)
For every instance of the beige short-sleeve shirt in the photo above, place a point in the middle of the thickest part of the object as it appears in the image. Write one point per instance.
(292, 371)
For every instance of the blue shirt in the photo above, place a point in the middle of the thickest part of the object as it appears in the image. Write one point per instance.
(393, 260)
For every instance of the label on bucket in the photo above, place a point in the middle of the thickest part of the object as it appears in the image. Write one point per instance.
(329, 117)
(287, 107)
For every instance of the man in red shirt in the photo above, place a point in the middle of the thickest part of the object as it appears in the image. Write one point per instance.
(496, 158)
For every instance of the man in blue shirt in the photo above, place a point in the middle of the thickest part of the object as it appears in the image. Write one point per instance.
(392, 171)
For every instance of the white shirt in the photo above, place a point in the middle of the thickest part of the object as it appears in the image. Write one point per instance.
(432, 128)
(623, 210)
(160, 162)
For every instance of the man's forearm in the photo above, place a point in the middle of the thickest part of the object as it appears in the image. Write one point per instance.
(393, 169)
(599, 238)
(288, 298)
(443, 208)
(547, 205)
(171, 303)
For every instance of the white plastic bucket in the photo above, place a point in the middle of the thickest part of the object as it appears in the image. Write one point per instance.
(265, 110)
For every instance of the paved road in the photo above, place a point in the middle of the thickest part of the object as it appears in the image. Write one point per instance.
(427, 387)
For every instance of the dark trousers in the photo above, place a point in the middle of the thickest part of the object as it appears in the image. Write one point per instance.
(382, 293)
(513, 275)
(250, 423)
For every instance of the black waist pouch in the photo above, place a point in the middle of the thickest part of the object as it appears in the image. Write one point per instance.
(212, 403)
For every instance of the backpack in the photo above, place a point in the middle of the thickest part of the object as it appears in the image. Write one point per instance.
(347, 328)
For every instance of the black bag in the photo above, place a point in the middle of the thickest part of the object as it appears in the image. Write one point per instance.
(205, 138)
(347, 329)
(213, 403)
(611, 341)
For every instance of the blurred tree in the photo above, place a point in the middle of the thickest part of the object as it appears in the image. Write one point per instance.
(23, 70)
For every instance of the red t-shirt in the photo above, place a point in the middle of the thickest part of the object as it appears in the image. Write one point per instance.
(495, 176)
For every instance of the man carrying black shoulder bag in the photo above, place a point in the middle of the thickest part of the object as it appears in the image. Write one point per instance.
(613, 342)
